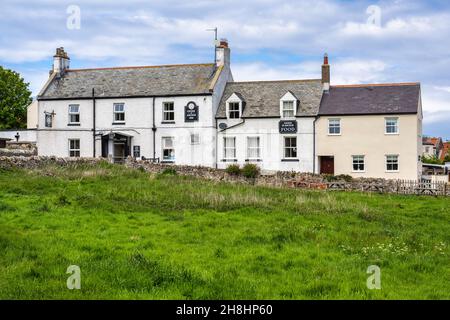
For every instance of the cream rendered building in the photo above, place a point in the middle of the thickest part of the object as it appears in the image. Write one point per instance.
(371, 131)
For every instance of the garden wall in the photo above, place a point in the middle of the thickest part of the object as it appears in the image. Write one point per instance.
(278, 179)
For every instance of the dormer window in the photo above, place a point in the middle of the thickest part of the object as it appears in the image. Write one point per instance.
(234, 110)
(235, 106)
(288, 109)
(288, 105)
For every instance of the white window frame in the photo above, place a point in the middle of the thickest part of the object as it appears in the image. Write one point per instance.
(295, 149)
(239, 104)
(165, 147)
(72, 113)
(75, 150)
(257, 148)
(356, 159)
(226, 148)
(116, 113)
(293, 110)
(195, 138)
(329, 126)
(168, 112)
(397, 127)
(387, 162)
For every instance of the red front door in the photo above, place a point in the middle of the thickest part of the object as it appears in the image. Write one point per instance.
(327, 165)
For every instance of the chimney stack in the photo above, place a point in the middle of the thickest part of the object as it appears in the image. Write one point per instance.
(326, 74)
(61, 61)
(223, 53)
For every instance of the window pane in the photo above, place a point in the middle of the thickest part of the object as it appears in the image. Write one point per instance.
(288, 109)
(233, 109)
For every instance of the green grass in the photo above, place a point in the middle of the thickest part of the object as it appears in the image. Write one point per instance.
(142, 236)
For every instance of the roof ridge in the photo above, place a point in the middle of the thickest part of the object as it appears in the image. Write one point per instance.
(399, 84)
(274, 81)
(143, 67)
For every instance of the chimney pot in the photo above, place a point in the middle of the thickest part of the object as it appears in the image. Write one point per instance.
(223, 54)
(326, 74)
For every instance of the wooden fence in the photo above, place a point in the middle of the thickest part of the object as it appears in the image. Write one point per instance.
(395, 187)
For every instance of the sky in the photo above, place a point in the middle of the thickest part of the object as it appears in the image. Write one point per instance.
(367, 41)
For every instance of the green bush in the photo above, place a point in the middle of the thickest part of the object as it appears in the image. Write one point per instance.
(169, 172)
(345, 177)
(233, 169)
(250, 170)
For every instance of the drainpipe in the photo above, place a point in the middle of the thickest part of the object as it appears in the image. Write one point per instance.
(93, 121)
(217, 151)
(154, 131)
(314, 145)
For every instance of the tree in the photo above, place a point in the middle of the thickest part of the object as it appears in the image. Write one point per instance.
(15, 97)
(447, 157)
(431, 160)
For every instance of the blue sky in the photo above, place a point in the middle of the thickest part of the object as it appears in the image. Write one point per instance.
(270, 39)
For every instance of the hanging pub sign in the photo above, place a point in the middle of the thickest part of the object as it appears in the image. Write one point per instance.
(191, 112)
(49, 119)
(288, 126)
(136, 151)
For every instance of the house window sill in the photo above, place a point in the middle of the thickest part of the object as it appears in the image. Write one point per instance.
(253, 160)
(290, 160)
(73, 124)
(168, 122)
(229, 160)
(168, 161)
(118, 123)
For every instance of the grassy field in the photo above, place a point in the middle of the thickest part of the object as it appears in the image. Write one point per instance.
(142, 236)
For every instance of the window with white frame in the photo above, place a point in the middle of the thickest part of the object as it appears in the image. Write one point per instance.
(168, 149)
(290, 147)
(234, 110)
(74, 148)
(392, 163)
(359, 164)
(253, 148)
(391, 125)
(195, 138)
(119, 112)
(168, 111)
(334, 126)
(74, 114)
(288, 109)
(229, 148)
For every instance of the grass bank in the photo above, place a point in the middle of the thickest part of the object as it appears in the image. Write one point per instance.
(142, 236)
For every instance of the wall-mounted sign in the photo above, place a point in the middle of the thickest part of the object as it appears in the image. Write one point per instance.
(191, 112)
(137, 151)
(288, 126)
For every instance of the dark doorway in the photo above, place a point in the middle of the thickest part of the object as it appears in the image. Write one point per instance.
(327, 165)
(120, 145)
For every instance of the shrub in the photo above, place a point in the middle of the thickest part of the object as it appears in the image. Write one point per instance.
(233, 169)
(250, 171)
(169, 172)
(345, 177)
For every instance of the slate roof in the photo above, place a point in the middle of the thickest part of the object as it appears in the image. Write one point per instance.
(132, 81)
(262, 98)
(402, 98)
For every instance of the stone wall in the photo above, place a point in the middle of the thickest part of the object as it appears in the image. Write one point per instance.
(278, 179)
(19, 149)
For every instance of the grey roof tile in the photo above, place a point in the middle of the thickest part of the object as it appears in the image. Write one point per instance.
(371, 99)
(132, 81)
(262, 98)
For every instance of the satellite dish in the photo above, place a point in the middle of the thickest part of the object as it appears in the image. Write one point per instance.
(222, 126)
